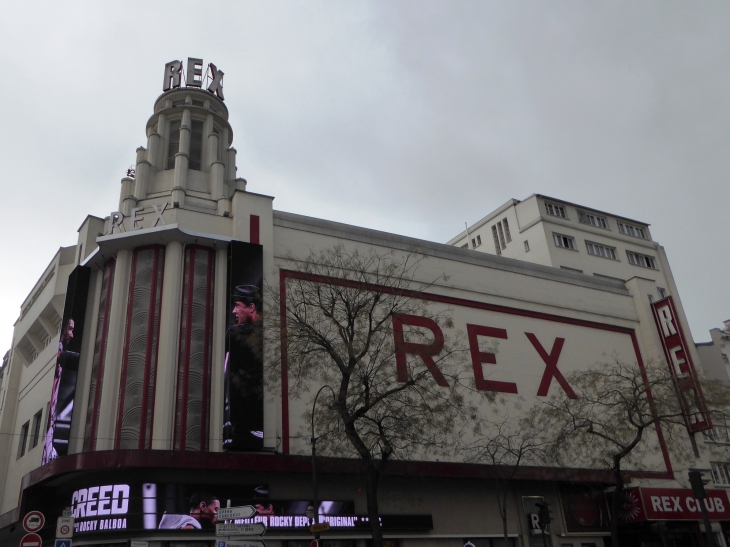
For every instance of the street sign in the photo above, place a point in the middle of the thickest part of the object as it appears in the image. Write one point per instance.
(253, 529)
(33, 521)
(62, 543)
(230, 513)
(64, 527)
(31, 540)
(321, 527)
(239, 543)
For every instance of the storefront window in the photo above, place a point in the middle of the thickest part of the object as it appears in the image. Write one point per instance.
(193, 378)
(139, 368)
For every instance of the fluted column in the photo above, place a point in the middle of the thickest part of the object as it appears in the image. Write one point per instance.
(126, 197)
(181, 161)
(168, 347)
(230, 171)
(114, 352)
(220, 298)
(141, 174)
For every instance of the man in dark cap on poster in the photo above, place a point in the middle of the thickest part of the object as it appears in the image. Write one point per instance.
(244, 369)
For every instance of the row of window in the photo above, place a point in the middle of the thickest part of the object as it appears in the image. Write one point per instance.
(139, 360)
(501, 235)
(195, 154)
(33, 432)
(596, 220)
(604, 251)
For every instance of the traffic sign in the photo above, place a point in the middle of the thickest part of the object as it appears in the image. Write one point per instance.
(64, 528)
(320, 527)
(230, 513)
(31, 540)
(253, 529)
(239, 543)
(33, 521)
(62, 543)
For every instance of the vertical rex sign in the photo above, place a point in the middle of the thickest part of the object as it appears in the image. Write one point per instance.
(243, 420)
(679, 360)
(67, 365)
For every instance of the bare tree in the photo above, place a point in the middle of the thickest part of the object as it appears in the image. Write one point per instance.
(354, 321)
(618, 417)
(506, 442)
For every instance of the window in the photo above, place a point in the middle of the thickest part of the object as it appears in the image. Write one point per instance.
(641, 260)
(497, 247)
(139, 358)
(565, 242)
(479, 240)
(36, 428)
(476, 242)
(721, 474)
(506, 230)
(662, 292)
(593, 220)
(23, 439)
(194, 361)
(630, 230)
(600, 250)
(465, 246)
(576, 270)
(196, 145)
(501, 235)
(173, 144)
(720, 432)
(527, 246)
(555, 210)
(97, 363)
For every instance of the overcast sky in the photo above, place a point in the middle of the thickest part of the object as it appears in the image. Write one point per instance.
(409, 117)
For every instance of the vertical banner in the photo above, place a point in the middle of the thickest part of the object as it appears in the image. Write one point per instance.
(243, 420)
(67, 365)
(681, 366)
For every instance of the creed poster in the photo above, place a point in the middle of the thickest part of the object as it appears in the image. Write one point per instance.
(67, 365)
(243, 407)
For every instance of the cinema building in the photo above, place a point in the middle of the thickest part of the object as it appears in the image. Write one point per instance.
(124, 394)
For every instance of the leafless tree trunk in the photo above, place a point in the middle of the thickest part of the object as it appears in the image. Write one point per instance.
(618, 408)
(354, 321)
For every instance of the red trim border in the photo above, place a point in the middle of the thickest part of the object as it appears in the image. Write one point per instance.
(450, 300)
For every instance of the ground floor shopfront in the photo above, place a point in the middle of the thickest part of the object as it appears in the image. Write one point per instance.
(117, 496)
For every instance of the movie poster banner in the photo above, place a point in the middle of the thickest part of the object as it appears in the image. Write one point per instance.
(107, 506)
(121, 506)
(243, 420)
(67, 365)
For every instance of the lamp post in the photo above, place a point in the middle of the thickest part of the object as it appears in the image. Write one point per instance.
(315, 494)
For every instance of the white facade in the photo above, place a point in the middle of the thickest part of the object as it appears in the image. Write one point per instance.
(186, 195)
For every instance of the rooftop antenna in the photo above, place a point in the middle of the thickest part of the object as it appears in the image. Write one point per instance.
(468, 241)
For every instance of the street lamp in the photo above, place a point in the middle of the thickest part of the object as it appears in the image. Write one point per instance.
(314, 513)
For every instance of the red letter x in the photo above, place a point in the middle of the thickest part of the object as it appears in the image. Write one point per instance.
(551, 366)
(425, 351)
